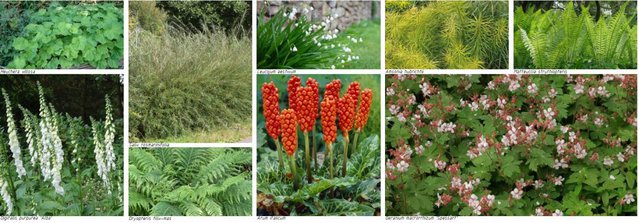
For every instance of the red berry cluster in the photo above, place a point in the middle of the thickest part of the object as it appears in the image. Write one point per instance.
(271, 106)
(288, 125)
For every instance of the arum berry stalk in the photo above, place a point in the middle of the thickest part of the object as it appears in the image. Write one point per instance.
(271, 107)
(314, 85)
(328, 116)
(346, 110)
(306, 119)
(288, 126)
(362, 114)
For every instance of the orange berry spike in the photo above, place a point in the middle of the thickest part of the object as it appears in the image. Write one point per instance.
(293, 83)
(304, 112)
(364, 108)
(288, 125)
(310, 82)
(353, 90)
(271, 109)
(333, 89)
(346, 111)
(328, 115)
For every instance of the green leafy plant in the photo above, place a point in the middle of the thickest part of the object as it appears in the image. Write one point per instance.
(511, 145)
(565, 38)
(290, 40)
(54, 164)
(338, 176)
(190, 182)
(71, 36)
(447, 34)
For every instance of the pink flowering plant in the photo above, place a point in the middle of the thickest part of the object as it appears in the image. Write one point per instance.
(545, 145)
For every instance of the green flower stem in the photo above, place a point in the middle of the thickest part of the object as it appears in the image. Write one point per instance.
(330, 156)
(355, 143)
(307, 155)
(296, 184)
(279, 153)
(345, 155)
(12, 188)
(314, 150)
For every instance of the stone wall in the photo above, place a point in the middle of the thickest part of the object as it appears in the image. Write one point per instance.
(348, 12)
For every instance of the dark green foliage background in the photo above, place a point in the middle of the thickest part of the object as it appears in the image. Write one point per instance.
(79, 95)
(227, 15)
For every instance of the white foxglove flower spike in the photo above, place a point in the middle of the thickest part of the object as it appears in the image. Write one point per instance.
(14, 144)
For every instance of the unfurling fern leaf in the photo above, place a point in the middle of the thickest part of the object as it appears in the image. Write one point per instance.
(190, 181)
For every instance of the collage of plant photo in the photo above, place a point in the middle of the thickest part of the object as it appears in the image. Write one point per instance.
(314, 110)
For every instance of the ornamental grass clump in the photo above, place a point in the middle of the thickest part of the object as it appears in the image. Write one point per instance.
(336, 114)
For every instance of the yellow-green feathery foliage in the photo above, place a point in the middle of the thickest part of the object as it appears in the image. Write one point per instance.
(567, 39)
(447, 35)
(190, 182)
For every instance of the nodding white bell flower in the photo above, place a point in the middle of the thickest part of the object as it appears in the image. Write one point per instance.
(52, 155)
(14, 144)
(31, 138)
(294, 49)
(6, 197)
(104, 154)
(109, 136)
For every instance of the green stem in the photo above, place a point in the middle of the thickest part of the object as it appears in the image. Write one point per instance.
(13, 192)
(355, 143)
(294, 172)
(81, 206)
(279, 154)
(345, 155)
(330, 156)
(307, 155)
(314, 150)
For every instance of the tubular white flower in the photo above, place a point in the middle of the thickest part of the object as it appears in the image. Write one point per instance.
(6, 197)
(31, 136)
(52, 155)
(99, 154)
(59, 154)
(14, 144)
(109, 136)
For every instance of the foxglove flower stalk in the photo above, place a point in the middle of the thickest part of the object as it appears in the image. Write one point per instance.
(271, 108)
(14, 144)
(328, 115)
(109, 136)
(6, 197)
(288, 125)
(32, 137)
(100, 159)
(52, 155)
